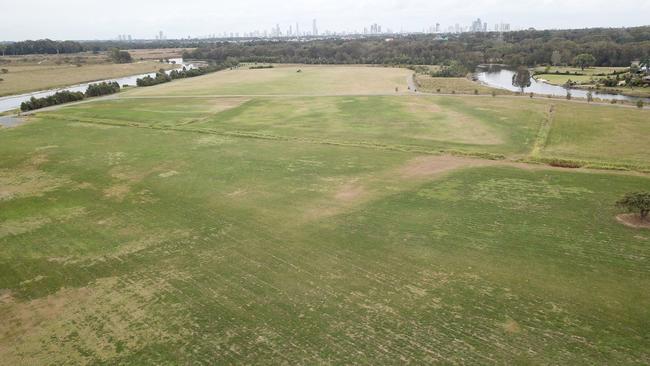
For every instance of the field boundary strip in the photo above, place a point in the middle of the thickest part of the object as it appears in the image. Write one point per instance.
(544, 132)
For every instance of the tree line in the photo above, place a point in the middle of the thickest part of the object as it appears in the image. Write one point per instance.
(41, 46)
(164, 77)
(609, 47)
(66, 96)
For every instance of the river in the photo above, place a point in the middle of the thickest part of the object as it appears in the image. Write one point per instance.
(13, 101)
(502, 79)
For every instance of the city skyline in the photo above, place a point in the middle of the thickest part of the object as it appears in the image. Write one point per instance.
(87, 20)
(280, 31)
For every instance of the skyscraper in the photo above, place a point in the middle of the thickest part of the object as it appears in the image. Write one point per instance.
(297, 30)
(314, 30)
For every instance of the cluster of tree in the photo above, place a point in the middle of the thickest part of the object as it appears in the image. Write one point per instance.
(163, 77)
(609, 47)
(46, 46)
(104, 88)
(65, 96)
(57, 98)
(120, 57)
(257, 67)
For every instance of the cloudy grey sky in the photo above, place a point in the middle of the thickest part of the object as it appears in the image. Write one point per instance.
(94, 19)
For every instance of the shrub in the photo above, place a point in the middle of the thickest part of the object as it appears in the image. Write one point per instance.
(105, 88)
(568, 95)
(4, 71)
(494, 93)
(636, 202)
(475, 91)
(639, 103)
(565, 163)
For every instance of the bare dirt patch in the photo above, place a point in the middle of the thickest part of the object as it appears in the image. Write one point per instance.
(429, 166)
(633, 220)
(117, 192)
(349, 192)
(511, 326)
(168, 174)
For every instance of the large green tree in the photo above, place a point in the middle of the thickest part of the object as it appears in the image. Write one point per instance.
(556, 58)
(521, 78)
(584, 60)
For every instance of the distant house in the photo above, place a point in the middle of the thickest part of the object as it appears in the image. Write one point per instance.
(646, 80)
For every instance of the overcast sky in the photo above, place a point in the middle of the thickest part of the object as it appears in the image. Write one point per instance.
(94, 19)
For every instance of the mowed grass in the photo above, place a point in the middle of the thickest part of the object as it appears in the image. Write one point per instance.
(406, 122)
(23, 79)
(455, 85)
(126, 245)
(314, 230)
(286, 80)
(599, 133)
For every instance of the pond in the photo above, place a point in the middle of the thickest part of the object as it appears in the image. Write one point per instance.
(14, 101)
(502, 79)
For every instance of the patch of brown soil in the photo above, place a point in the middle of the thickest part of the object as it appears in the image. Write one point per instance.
(349, 192)
(633, 220)
(428, 166)
(117, 192)
(511, 326)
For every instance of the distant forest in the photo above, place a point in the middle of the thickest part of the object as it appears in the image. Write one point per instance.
(610, 47)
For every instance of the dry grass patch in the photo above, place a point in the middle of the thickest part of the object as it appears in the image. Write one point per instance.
(62, 328)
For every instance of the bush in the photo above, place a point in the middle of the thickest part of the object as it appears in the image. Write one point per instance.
(568, 95)
(95, 90)
(475, 91)
(565, 163)
(494, 93)
(638, 202)
(57, 98)
(4, 71)
(639, 104)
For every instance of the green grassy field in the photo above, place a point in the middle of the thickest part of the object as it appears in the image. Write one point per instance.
(316, 230)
